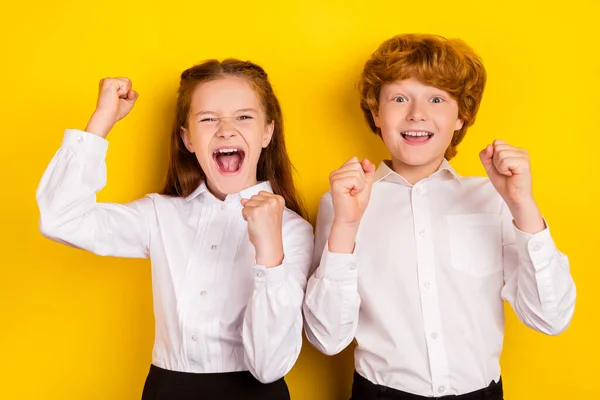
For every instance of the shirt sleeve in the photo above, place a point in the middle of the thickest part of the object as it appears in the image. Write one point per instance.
(272, 329)
(332, 301)
(538, 284)
(69, 212)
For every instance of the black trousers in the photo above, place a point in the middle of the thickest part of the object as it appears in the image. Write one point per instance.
(363, 389)
(162, 384)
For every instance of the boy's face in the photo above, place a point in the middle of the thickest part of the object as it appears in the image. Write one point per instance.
(417, 122)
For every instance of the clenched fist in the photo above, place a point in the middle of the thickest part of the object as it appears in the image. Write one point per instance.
(116, 98)
(264, 213)
(351, 189)
(350, 193)
(509, 170)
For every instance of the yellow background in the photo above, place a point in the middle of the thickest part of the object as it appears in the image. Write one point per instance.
(77, 326)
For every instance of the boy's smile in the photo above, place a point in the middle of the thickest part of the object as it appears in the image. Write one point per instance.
(416, 137)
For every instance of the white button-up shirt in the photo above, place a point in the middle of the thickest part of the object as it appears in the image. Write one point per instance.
(423, 292)
(215, 309)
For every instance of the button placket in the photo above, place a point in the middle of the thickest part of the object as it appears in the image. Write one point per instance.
(430, 305)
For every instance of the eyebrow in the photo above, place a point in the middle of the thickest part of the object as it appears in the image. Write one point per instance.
(237, 111)
(434, 92)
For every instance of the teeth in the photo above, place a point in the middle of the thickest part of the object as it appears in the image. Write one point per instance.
(227, 150)
(416, 133)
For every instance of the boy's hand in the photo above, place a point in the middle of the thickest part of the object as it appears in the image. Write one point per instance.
(509, 171)
(350, 192)
(116, 98)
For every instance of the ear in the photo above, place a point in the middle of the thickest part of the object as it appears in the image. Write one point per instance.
(375, 116)
(459, 124)
(187, 138)
(268, 134)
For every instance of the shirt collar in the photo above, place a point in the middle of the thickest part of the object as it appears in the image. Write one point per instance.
(199, 190)
(252, 190)
(244, 194)
(386, 173)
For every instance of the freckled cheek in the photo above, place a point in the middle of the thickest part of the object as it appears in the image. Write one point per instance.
(392, 140)
(450, 124)
(390, 119)
(389, 134)
(390, 127)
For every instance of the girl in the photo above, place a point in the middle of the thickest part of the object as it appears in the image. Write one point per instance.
(229, 260)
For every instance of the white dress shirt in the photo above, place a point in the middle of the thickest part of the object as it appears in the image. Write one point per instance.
(423, 292)
(215, 309)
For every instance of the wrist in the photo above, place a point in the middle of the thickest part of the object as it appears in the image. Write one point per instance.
(269, 256)
(527, 217)
(342, 237)
(99, 124)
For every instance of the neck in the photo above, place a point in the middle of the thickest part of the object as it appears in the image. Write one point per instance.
(215, 192)
(415, 173)
(220, 195)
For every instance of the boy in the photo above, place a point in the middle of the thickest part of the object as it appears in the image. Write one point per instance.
(415, 260)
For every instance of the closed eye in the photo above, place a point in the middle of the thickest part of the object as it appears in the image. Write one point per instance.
(208, 120)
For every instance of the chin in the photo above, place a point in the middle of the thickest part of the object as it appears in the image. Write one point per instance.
(415, 160)
(229, 184)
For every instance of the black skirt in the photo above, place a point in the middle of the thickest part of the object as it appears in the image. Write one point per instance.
(162, 384)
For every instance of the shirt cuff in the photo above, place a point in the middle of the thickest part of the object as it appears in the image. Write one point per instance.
(337, 266)
(539, 246)
(264, 275)
(79, 140)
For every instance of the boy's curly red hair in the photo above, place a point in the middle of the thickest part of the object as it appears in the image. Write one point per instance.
(447, 64)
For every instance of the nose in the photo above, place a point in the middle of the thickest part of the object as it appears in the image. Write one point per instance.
(417, 112)
(227, 128)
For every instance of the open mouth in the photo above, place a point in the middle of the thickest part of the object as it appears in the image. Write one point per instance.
(229, 160)
(417, 137)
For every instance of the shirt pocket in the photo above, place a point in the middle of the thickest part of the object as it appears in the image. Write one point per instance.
(475, 243)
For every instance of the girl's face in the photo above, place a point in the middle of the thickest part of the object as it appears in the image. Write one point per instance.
(227, 130)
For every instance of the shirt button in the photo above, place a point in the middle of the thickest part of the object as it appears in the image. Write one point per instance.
(80, 139)
(259, 274)
(441, 389)
(194, 338)
(213, 247)
(536, 247)
(353, 267)
(422, 232)
(434, 336)
(418, 191)
(427, 284)
(203, 293)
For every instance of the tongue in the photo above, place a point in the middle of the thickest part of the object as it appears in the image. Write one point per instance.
(416, 139)
(229, 163)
